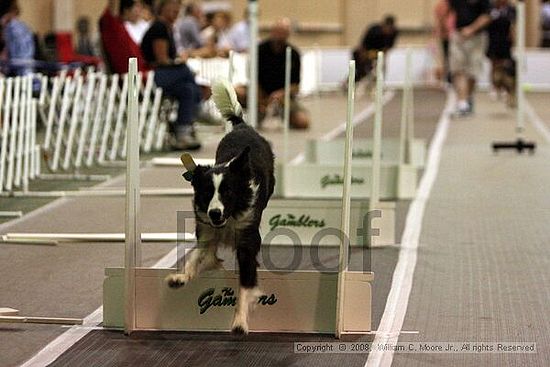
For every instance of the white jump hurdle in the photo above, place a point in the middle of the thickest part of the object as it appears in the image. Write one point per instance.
(341, 300)
(324, 179)
(406, 150)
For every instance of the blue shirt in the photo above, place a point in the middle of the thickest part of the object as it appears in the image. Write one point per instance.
(20, 45)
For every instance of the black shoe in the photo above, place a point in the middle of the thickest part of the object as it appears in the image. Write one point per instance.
(185, 142)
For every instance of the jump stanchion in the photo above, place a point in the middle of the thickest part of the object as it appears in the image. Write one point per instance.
(75, 120)
(346, 204)
(520, 144)
(132, 257)
(300, 301)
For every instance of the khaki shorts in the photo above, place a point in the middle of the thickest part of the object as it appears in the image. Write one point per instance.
(467, 55)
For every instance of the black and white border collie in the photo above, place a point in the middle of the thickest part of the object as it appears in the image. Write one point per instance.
(229, 200)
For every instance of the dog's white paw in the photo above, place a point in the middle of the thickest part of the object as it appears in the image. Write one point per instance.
(176, 280)
(240, 326)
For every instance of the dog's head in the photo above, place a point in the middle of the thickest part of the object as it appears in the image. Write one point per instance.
(225, 190)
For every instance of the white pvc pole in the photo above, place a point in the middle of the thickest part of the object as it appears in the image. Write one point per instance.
(52, 111)
(520, 66)
(153, 120)
(65, 106)
(33, 147)
(286, 118)
(108, 118)
(346, 205)
(252, 98)
(13, 133)
(85, 120)
(405, 110)
(75, 120)
(21, 133)
(133, 232)
(377, 135)
(119, 121)
(98, 119)
(5, 107)
(145, 103)
(28, 132)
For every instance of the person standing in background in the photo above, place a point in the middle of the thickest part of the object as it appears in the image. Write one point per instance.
(467, 48)
(444, 22)
(18, 38)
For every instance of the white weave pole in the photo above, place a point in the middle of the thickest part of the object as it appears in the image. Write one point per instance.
(21, 133)
(346, 205)
(56, 88)
(65, 106)
(120, 117)
(108, 118)
(75, 120)
(377, 135)
(98, 120)
(252, 97)
(5, 107)
(132, 257)
(286, 111)
(13, 134)
(27, 151)
(83, 138)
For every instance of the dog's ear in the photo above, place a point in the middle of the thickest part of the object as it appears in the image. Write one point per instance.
(198, 174)
(241, 163)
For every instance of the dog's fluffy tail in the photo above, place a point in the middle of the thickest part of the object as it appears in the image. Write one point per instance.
(225, 99)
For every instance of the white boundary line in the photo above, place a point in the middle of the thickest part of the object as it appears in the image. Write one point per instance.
(537, 121)
(358, 119)
(398, 298)
(63, 342)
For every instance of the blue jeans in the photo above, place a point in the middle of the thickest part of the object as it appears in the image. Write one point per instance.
(179, 82)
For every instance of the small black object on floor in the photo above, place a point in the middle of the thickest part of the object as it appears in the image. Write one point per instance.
(520, 145)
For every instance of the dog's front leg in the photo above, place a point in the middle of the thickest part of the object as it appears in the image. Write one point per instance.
(202, 258)
(248, 280)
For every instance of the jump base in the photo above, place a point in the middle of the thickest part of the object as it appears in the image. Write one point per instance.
(294, 302)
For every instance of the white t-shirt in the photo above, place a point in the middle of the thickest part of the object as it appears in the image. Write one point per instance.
(239, 36)
(137, 30)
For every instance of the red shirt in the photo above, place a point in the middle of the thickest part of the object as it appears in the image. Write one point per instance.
(118, 45)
